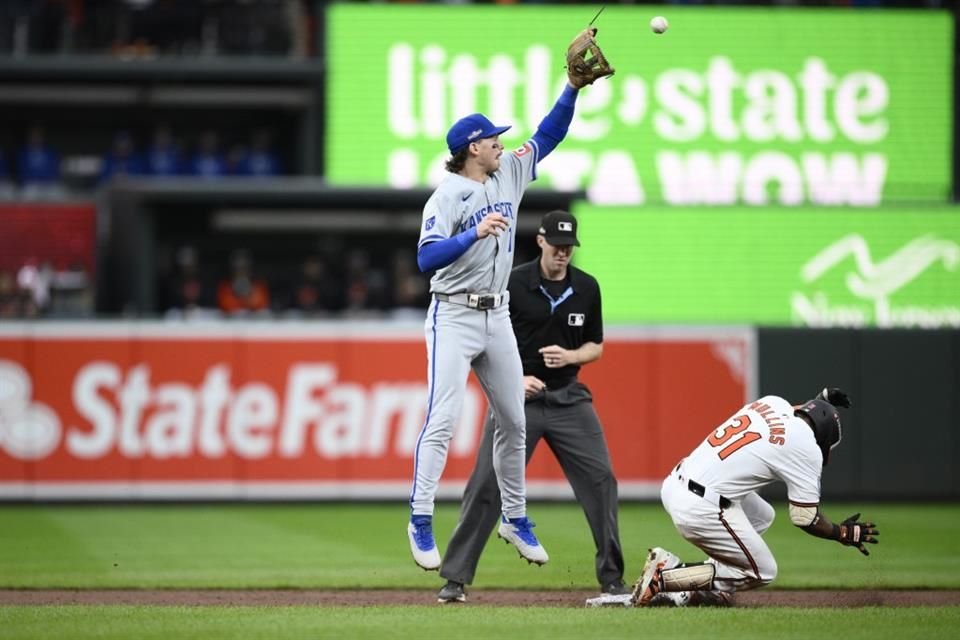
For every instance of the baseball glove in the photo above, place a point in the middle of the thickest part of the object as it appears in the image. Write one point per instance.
(585, 60)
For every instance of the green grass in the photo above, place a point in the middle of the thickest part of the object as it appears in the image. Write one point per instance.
(330, 545)
(464, 623)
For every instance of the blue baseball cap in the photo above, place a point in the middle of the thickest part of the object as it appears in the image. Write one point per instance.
(470, 128)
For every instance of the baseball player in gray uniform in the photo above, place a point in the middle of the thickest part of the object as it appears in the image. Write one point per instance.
(468, 236)
(712, 498)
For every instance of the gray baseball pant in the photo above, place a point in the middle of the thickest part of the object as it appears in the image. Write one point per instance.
(458, 339)
(566, 419)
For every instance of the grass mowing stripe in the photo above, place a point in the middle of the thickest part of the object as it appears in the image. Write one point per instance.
(465, 623)
(364, 545)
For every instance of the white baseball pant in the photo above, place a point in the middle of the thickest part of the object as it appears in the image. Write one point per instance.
(731, 536)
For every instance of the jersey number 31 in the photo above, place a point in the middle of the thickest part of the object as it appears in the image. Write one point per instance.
(723, 436)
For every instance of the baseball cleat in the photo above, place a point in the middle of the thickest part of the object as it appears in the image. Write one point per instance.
(422, 544)
(452, 592)
(670, 599)
(616, 588)
(712, 598)
(650, 583)
(519, 533)
(704, 598)
(670, 560)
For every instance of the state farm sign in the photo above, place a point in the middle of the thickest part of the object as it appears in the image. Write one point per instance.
(313, 411)
(113, 409)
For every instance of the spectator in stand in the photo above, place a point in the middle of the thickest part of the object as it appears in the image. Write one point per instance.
(261, 160)
(189, 295)
(36, 281)
(72, 293)
(242, 293)
(39, 166)
(7, 190)
(163, 155)
(236, 158)
(356, 280)
(208, 161)
(410, 287)
(316, 291)
(122, 160)
(10, 297)
(366, 285)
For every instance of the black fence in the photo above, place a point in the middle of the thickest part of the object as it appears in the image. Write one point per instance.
(901, 438)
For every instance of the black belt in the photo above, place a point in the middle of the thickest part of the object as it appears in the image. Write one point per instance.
(697, 488)
(559, 383)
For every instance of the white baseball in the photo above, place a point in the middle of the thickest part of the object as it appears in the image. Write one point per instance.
(659, 24)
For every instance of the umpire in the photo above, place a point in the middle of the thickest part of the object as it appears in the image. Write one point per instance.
(556, 316)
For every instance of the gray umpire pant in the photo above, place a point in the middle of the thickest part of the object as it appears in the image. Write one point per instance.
(566, 419)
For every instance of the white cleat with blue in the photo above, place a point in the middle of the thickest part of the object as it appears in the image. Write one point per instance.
(519, 533)
(422, 544)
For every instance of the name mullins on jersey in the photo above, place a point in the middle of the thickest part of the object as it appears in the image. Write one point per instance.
(772, 418)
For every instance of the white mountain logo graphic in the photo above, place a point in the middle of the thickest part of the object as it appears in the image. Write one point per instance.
(876, 281)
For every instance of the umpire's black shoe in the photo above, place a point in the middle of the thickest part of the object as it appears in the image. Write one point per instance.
(615, 588)
(452, 592)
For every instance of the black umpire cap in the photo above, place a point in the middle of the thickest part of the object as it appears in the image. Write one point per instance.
(559, 228)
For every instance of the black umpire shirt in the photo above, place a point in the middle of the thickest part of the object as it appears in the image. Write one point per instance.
(543, 312)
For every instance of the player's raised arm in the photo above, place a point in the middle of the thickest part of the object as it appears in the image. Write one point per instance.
(585, 64)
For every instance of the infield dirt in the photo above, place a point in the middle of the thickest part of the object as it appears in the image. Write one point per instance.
(478, 597)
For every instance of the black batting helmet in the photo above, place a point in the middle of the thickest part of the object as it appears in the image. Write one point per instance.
(825, 421)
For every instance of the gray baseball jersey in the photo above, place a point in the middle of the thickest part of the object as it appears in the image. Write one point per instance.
(459, 338)
(459, 204)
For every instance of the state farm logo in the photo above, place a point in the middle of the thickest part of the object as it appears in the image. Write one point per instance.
(876, 281)
(313, 413)
(28, 430)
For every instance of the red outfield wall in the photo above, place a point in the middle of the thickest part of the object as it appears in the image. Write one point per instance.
(105, 410)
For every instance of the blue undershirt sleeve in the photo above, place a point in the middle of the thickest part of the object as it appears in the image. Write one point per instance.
(436, 255)
(553, 128)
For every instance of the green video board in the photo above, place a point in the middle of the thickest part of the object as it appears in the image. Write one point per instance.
(817, 267)
(729, 107)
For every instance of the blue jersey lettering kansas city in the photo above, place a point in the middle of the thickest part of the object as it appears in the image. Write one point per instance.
(460, 203)
(503, 208)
